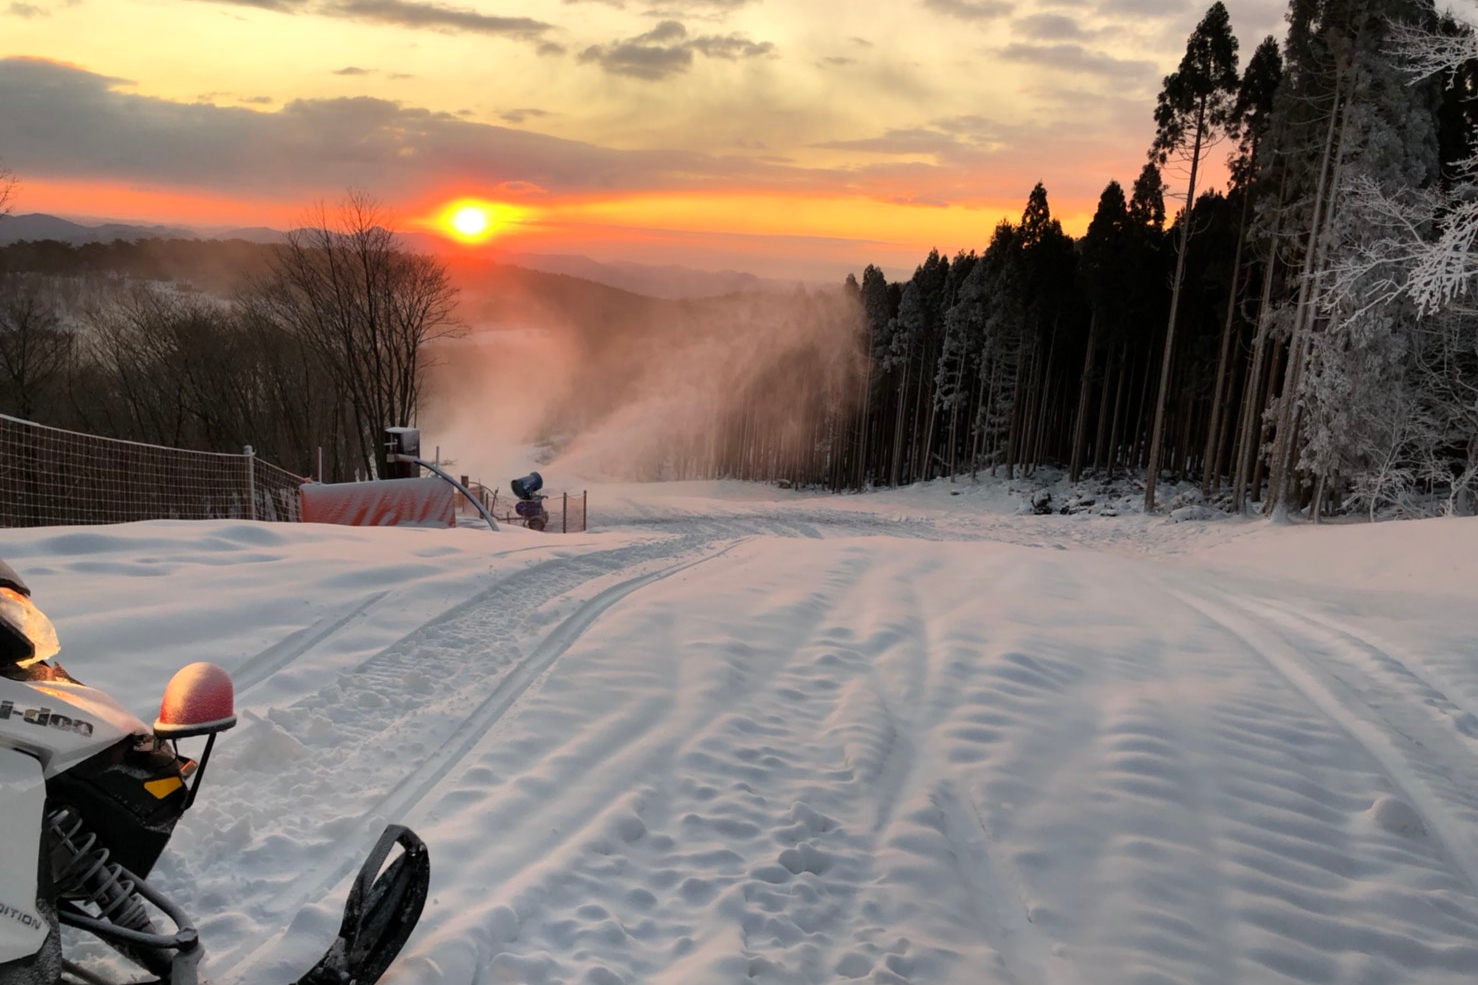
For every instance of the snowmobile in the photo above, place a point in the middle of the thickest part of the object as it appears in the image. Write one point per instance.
(92, 796)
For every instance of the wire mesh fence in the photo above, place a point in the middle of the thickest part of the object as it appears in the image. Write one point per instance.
(49, 476)
(554, 512)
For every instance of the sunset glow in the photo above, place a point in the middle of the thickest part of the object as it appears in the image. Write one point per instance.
(742, 134)
(469, 220)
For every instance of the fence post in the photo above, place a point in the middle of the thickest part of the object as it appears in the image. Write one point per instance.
(585, 511)
(251, 480)
(564, 514)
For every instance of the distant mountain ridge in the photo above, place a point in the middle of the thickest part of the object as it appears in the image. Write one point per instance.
(38, 226)
(650, 280)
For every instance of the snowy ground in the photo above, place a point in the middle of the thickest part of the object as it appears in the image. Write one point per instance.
(739, 734)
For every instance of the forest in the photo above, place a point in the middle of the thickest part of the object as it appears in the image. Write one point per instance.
(1298, 341)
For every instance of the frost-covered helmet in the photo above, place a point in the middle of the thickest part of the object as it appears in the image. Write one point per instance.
(26, 635)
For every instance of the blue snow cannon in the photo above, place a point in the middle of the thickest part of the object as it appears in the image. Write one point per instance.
(524, 487)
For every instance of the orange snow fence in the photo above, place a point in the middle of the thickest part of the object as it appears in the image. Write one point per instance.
(382, 503)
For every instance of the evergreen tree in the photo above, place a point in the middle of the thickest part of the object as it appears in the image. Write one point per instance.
(1194, 107)
(1102, 275)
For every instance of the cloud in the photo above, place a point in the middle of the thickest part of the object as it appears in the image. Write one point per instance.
(27, 11)
(521, 114)
(1153, 8)
(67, 123)
(63, 123)
(407, 13)
(910, 141)
(284, 6)
(836, 61)
(701, 9)
(1049, 27)
(1076, 58)
(946, 135)
(353, 70)
(258, 100)
(970, 10)
(667, 50)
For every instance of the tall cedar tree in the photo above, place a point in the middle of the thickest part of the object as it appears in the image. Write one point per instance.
(1193, 109)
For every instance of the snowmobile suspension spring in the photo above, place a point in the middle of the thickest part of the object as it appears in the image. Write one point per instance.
(84, 873)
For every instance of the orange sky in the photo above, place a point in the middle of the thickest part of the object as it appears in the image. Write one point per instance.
(795, 139)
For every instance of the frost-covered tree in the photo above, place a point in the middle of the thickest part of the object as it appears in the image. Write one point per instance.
(1248, 122)
(1373, 128)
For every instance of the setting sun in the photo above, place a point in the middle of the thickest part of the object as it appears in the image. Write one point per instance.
(469, 220)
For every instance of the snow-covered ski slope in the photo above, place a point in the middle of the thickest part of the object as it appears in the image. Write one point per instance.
(736, 734)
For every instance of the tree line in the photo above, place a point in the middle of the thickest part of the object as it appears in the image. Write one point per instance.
(320, 344)
(1298, 340)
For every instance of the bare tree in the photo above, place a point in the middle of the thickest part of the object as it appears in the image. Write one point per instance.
(35, 350)
(365, 307)
(8, 184)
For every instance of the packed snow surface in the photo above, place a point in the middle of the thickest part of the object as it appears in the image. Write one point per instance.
(737, 734)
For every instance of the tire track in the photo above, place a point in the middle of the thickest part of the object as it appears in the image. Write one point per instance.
(387, 670)
(1025, 951)
(1309, 679)
(1407, 672)
(268, 662)
(417, 784)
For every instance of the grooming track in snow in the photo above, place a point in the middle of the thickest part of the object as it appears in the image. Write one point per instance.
(804, 740)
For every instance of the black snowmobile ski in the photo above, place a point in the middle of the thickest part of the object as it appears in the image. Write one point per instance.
(383, 907)
(379, 915)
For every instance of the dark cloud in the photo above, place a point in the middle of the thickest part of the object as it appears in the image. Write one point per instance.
(353, 70)
(667, 50)
(971, 10)
(731, 47)
(1076, 58)
(1049, 27)
(258, 100)
(64, 122)
(551, 48)
(861, 42)
(407, 13)
(399, 76)
(836, 61)
(1148, 8)
(27, 10)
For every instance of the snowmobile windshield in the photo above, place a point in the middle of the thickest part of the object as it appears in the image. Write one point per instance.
(9, 579)
(26, 635)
